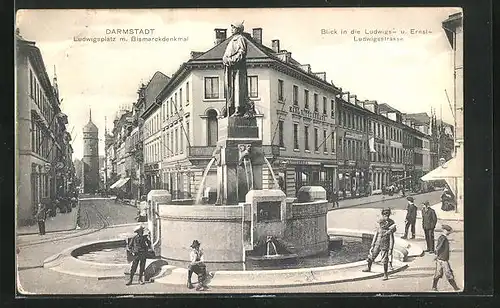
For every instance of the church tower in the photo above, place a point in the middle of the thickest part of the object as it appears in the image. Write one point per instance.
(90, 157)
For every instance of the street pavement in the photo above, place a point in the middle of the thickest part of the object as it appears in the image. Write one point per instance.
(33, 278)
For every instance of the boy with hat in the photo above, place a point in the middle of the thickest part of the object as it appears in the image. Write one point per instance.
(411, 218)
(197, 266)
(442, 260)
(138, 246)
(383, 242)
(429, 221)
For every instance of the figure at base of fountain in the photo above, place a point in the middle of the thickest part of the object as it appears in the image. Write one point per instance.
(139, 247)
(382, 243)
(198, 267)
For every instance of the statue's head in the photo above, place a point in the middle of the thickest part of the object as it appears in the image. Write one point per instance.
(237, 28)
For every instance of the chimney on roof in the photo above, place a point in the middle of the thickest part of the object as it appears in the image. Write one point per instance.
(220, 35)
(257, 35)
(321, 75)
(306, 68)
(345, 96)
(275, 45)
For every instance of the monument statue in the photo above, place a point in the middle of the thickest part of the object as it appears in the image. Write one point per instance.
(238, 103)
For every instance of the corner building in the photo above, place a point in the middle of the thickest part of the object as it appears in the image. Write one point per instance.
(295, 115)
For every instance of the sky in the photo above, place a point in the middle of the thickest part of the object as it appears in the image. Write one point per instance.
(410, 74)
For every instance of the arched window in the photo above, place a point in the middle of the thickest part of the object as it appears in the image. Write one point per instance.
(212, 128)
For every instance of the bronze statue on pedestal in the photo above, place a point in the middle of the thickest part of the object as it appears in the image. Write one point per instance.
(238, 104)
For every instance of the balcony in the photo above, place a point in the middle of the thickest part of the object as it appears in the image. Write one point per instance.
(200, 152)
(205, 152)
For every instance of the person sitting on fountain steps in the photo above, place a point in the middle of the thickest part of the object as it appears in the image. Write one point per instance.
(139, 246)
(383, 242)
(197, 266)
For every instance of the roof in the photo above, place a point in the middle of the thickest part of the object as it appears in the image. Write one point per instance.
(421, 117)
(154, 87)
(90, 127)
(256, 52)
(386, 108)
(35, 56)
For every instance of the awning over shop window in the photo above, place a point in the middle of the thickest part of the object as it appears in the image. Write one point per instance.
(119, 183)
(449, 170)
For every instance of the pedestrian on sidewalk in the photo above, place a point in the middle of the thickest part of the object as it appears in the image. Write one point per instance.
(335, 198)
(41, 215)
(138, 246)
(197, 266)
(442, 260)
(429, 221)
(411, 218)
(382, 243)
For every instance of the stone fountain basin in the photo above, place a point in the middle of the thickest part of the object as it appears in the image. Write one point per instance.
(160, 272)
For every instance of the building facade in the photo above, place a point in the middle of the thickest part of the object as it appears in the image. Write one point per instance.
(44, 169)
(312, 132)
(91, 172)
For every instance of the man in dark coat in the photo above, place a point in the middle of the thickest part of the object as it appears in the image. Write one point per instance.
(41, 215)
(429, 221)
(139, 246)
(442, 260)
(411, 218)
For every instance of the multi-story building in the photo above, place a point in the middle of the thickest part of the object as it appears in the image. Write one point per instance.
(441, 143)
(43, 167)
(123, 161)
(352, 146)
(181, 131)
(149, 131)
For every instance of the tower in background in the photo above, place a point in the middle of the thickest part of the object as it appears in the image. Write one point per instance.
(90, 157)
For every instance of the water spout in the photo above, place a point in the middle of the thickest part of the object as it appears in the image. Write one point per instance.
(276, 184)
(248, 173)
(271, 249)
(202, 184)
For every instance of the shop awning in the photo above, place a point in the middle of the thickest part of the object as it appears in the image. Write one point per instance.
(449, 170)
(119, 183)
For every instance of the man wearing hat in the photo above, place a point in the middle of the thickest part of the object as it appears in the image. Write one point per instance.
(138, 246)
(382, 243)
(442, 260)
(235, 72)
(197, 266)
(429, 221)
(411, 218)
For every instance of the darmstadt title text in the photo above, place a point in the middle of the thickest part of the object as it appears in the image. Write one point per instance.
(125, 35)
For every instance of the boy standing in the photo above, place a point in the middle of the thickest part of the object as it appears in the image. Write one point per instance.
(442, 260)
(383, 242)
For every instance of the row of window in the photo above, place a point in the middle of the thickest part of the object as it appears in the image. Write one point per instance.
(172, 143)
(320, 138)
(212, 87)
(316, 106)
(349, 149)
(40, 140)
(38, 95)
(389, 154)
(169, 108)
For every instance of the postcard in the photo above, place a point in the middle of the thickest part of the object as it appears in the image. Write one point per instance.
(188, 151)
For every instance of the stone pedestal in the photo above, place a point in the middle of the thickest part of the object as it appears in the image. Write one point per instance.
(238, 139)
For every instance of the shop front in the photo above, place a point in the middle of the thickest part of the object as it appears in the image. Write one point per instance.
(353, 179)
(152, 179)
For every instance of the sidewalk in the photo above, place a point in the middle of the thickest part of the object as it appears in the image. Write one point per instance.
(61, 222)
